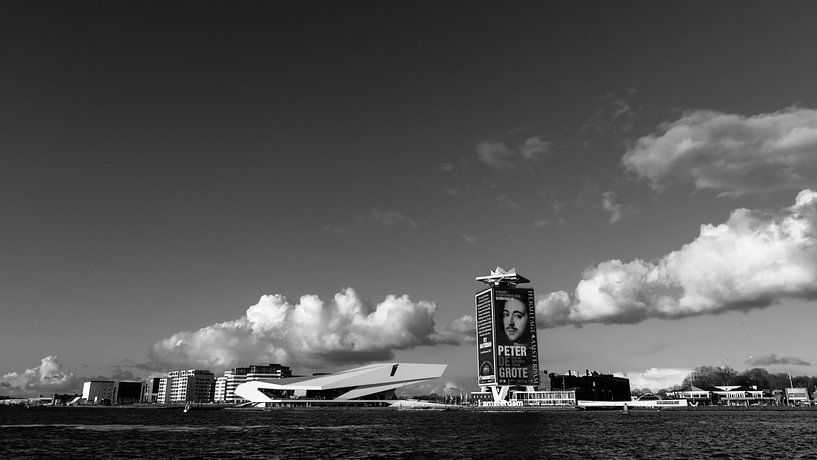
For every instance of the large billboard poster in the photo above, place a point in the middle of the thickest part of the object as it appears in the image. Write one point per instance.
(517, 362)
(506, 337)
(486, 365)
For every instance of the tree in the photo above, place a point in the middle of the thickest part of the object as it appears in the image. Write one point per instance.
(708, 376)
(757, 377)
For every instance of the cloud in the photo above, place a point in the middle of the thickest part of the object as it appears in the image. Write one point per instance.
(499, 155)
(461, 330)
(772, 359)
(656, 378)
(48, 377)
(753, 260)
(616, 116)
(311, 333)
(731, 153)
(534, 148)
(332, 229)
(495, 154)
(610, 203)
(392, 218)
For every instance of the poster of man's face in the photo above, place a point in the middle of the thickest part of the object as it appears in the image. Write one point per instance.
(513, 321)
(515, 335)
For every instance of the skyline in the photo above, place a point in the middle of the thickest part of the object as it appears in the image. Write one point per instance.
(318, 184)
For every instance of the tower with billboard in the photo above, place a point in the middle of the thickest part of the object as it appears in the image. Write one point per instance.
(506, 334)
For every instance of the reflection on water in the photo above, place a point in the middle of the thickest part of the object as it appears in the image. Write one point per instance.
(362, 433)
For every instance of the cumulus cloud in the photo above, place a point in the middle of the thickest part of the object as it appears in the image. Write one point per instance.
(393, 218)
(48, 377)
(311, 333)
(772, 359)
(754, 259)
(656, 378)
(731, 153)
(501, 156)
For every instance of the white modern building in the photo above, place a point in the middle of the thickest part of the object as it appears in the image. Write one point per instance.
(220, 394)
(163, 395)
(180, 386)
(371, 385)
(237, 376)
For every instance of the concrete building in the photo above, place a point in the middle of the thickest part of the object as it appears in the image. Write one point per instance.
(150, 392)
(163, 395)
(253, 373)
(99, 392)
(220, 392)
(194, 385)
(592, 386)
(112, 391)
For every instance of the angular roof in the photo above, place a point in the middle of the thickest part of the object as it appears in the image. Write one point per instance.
(359, 382)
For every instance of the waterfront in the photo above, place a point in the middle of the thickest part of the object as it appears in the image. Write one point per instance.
(378, 433)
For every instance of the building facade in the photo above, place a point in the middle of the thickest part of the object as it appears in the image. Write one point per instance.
(193, 385)
(99, 392)
(254, 373)
(592, 386)
(220, 393)
(163, 396)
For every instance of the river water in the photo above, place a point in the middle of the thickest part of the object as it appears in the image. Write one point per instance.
(62, 432)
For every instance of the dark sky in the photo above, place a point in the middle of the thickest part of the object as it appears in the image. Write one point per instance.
(164, 164)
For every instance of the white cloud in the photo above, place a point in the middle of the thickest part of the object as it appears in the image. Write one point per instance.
(534, 148)
(656, 378)
(500, 156)
(731, 153)
(393, 218)
(495, 154)
(610, 203)
(46, 378)
(755, 259)
(311, 333)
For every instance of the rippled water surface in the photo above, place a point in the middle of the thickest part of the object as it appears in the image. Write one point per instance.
(377, 433)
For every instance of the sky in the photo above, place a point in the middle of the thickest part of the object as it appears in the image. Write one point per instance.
(217, 184)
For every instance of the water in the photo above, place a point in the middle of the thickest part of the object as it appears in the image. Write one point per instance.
(377, 433)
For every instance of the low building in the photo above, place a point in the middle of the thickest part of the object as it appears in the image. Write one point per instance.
(367, 386)
(693, 395)
(106, 392)
(592, 386)
(99, 392)
(796, 396)
(129, 391)
(545, 398)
